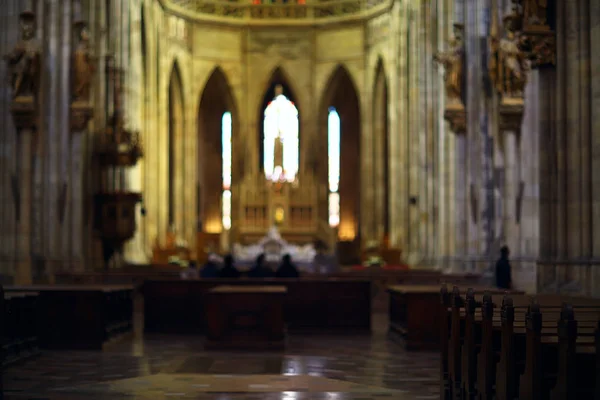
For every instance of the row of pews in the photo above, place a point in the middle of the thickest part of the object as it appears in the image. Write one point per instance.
(65, 317)
(509, 346)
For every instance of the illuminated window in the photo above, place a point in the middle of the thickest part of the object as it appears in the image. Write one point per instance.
(226, 156)
(281, 153)
(333, 141)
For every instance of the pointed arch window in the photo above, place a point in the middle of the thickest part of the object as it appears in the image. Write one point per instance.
(333, 152)
(281, 157)
(226, 124)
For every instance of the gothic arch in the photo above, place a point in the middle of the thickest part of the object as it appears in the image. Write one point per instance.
(341, 93)
(277, 77)
(216, 99)
(381, 167)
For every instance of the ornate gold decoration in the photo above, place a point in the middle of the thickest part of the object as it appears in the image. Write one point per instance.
(24, 61)
(83, 64)
(452, 61)
(511, 114)
(457, 117)
(80, 115)
(538, 41)
(508, 67)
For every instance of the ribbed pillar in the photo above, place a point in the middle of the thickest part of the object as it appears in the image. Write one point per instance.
(509, 217)
(573, 133)
(23, 270)
(9, 20)
(594, 41)
(51, 153)
(63, 205)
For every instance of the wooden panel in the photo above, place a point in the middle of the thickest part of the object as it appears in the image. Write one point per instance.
(318, 304)
(81, 317)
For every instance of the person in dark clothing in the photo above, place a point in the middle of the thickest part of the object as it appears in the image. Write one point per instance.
(260, 270)
(503, 270)
(211, 268)
(229, 270)
(287, 269)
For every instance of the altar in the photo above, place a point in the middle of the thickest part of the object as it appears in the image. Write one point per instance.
(274, 247)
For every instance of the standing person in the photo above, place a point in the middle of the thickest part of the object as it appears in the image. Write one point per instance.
(503, 270)
(287, 269)
(229, 270)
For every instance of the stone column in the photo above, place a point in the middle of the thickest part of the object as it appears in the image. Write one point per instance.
(510, 117)
(457, 119)
(82, 68)
(23, 74)
(24, 113)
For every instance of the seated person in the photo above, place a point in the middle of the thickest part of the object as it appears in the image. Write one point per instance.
(260, 270)
(229, 270)
(287, 269)
(190, 272)
(211, 268)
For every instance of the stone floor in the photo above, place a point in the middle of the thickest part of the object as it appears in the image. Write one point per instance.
(169, 367)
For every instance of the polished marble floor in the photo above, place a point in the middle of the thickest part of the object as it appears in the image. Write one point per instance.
(319, 367)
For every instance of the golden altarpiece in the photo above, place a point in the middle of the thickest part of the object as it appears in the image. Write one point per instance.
(281, 196)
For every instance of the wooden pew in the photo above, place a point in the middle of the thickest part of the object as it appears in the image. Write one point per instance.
(80, 316)
(493, 346)
(323, 304)
(415, 315)
(564, 360)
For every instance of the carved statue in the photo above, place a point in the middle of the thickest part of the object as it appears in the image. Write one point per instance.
(508, 67)
(535, 12)
(452, 60)
(24, 60)
(83, 64)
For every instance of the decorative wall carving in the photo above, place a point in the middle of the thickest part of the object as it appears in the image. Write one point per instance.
(378, 30)
(289, 45)
(83, 64)
(508, 67)
(453, 63)
(538, 40)
(24, 61)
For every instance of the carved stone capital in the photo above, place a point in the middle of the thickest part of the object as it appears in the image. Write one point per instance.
(538, 40)
(456, 115)
(511, 114)
(81, 112)
(539, 48)
(23, 110)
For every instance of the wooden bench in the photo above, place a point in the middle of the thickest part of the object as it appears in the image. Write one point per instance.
(81, 316)
(415, 315)
(245, 317)
(512, 354)
(324, 304)
(17, 326)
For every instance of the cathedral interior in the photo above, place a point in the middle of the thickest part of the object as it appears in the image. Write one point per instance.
(406, 141)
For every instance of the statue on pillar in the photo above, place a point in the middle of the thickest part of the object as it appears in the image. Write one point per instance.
(83, 64)
(452, 60)
(536, 12)
(23, 61)
(508, 67)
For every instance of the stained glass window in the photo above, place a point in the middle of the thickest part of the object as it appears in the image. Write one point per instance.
(226, 157)
(281, 153)
(333, 144)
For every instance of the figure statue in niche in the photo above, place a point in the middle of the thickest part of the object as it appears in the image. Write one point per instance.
(452, 60)
(24, 60)
(281, 139)
(508, 66)
(83, 64)
(536, 12)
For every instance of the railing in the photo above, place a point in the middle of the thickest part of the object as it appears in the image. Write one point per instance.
(298, 11)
